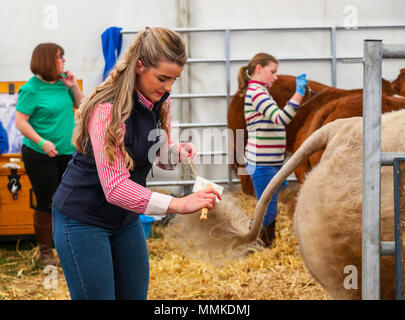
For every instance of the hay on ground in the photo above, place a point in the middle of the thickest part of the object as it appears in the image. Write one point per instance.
(275, 273)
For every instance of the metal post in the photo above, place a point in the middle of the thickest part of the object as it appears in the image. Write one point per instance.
(333, 53)
(372, 91)
(397, 209)
(228, 84)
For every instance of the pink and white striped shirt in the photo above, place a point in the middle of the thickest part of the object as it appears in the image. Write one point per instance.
(115, 180)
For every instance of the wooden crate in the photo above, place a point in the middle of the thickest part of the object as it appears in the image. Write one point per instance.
(16, 215)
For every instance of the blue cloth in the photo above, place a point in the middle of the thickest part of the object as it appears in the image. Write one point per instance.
(147, 224)
(3, 140)
(261, 176)
(112, 41)
(102, 264)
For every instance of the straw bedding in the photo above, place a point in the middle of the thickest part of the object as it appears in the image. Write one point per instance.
(273, 273)
(212, 240)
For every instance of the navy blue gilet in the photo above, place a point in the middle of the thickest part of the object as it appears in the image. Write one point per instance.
(80, 194)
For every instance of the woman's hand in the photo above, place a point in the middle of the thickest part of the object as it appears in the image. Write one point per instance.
(69, 80)
(194, 202)
(21, 122)
(182, 151)
(49, 149)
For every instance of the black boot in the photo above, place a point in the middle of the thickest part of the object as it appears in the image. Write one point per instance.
(268, 234)
(43, 234)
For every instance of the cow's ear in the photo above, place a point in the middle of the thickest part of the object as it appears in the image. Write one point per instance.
(402, 71)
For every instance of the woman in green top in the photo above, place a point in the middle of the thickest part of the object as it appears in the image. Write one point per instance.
(45, 117)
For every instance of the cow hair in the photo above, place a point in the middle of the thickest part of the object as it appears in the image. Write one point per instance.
(213, 240)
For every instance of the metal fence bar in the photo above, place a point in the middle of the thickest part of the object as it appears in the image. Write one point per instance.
(228, 81)
(387, 158)
(199, 125)
(211, 60)
(393, 51)
(212, 153)
(333, 53)
(375, 26)
(312, 58)
(186, 182)
(228, 65)
(372, 90)
(387, 248)
(398, 243)
(275, 28)
(197, 95)
(264, 28)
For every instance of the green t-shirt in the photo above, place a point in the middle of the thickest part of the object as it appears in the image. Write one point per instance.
(50, 107)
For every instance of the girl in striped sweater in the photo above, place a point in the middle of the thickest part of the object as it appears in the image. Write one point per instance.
(265, 122)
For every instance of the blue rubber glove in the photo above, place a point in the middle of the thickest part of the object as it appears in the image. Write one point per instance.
(301, 83)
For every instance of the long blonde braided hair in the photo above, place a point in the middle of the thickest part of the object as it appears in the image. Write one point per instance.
(150, 46)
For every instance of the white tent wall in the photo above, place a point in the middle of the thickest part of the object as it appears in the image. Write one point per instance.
(79, 25)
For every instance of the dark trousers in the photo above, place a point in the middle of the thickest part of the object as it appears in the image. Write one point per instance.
(45, 174)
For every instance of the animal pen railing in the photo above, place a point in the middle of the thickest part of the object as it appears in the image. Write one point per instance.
(373, 159)
(227, 60)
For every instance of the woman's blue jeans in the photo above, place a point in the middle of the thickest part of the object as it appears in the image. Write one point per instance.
(101, 264)
(261, 176)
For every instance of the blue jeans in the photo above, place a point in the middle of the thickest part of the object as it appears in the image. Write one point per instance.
(101, 264)
(261, 176)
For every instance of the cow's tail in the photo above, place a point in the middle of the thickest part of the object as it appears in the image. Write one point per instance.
(317, 141)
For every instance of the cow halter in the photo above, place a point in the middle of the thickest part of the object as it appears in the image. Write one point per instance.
(316, 93)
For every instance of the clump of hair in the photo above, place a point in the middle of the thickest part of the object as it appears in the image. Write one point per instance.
(215, 240)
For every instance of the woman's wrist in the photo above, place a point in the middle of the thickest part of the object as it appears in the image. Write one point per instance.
(173, 206)
(41, 143)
